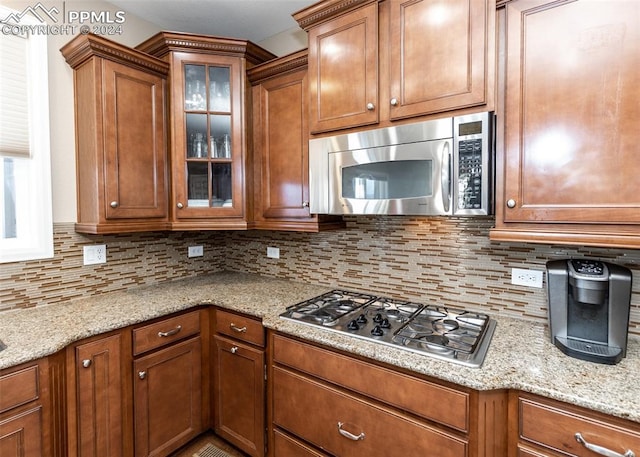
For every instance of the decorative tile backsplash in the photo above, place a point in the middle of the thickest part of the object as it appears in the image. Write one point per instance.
(445, 260)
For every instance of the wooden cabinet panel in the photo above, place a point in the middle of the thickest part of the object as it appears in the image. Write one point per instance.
(121, 137)
(135, 143)
(343, 71)
(96, 426)
(572, 81)
(19, 387)
(431, 401)
(552, 426)
(167, 331)
(240, 327)
(281, 147)
(168, 398)
(438, 55)
(286, 446)
(239, 395)
(375, 63)
(347, 426)
(21, 434)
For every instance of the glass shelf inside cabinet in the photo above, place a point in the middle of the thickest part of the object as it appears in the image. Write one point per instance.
(208, 144)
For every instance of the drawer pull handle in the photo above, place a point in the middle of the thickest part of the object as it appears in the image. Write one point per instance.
(349, 435)
(238, 329)
(170, 332)
(602, 450)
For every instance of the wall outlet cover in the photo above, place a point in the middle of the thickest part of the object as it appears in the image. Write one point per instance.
(529, 278)
(195, 251)
(273, 253)
(96, 254)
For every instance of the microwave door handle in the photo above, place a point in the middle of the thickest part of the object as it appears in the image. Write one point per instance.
(445, 177)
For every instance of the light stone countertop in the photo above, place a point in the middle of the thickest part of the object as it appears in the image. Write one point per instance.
(520, 355)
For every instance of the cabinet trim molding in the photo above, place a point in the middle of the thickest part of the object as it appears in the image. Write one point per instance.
(317, 13)
(82, 48)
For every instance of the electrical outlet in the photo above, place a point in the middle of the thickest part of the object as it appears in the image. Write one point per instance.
(530, 278)
(96, 254)
(273, 253)
(195, 251)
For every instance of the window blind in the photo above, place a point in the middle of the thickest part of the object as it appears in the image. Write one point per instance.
(14, 96)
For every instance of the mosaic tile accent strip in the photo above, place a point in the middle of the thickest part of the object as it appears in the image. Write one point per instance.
(450, 261)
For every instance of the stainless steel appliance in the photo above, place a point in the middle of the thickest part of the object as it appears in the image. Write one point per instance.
(437, 167)
(589, 304)
(445, 333)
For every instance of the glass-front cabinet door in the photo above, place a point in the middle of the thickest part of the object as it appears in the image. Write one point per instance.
(208, 152)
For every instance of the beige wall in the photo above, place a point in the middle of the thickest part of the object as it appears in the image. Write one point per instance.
(134, 31)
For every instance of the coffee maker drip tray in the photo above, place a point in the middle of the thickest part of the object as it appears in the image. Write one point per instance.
(592, 352)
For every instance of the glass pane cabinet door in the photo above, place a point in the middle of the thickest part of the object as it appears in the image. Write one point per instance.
(208, 139)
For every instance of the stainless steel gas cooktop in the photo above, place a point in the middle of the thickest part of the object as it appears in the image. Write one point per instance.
(445, 333)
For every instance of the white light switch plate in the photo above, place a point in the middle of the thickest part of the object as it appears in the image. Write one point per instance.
(273, 253)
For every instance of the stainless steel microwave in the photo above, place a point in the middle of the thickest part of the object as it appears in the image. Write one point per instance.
(436, 167)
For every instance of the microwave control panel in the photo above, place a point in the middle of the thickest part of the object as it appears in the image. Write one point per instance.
(470, 174)
(472, 180)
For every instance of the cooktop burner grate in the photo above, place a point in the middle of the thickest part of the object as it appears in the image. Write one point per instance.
(447, 333)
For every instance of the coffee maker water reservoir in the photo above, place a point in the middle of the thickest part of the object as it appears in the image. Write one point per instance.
(589, 304)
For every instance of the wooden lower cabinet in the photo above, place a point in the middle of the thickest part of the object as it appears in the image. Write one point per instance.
(24, 411)
(168, 398)
(360, 407)
(96, 395)
(21, 434)
(548, 428)
(239, 384)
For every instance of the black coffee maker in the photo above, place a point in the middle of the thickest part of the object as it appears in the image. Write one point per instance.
(589, 304)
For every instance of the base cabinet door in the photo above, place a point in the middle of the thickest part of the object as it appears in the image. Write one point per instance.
(21, 435)
(168, 398)
(239, 387)
(98, 399)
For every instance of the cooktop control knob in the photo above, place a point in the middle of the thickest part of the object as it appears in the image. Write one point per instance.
(377, 331)
(377, 318)
(385, 323)
(361, 319)
(353, 325)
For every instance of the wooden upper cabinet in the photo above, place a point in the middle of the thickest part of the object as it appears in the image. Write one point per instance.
(439, 55)
(343, 70)
(121, 152)
(210, 131)
(281, 147)
(568, 138)
(374, 62)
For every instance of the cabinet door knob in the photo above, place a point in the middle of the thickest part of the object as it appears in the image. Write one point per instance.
(602, 450)
(511, 203)
(180, 205)
(394, 101)
(142, 374)
(371, 106)
(113, 204)
(234, 349)
(86, 363)
(305, 204)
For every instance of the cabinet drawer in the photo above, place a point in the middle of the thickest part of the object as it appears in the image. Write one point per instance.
(167, 331)
(20, 387)
(240, 327)
(432, 401)
(285, 446)
(552, 426)
(347, 426)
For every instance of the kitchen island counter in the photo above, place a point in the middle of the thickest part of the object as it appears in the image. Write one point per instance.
(520, 355)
